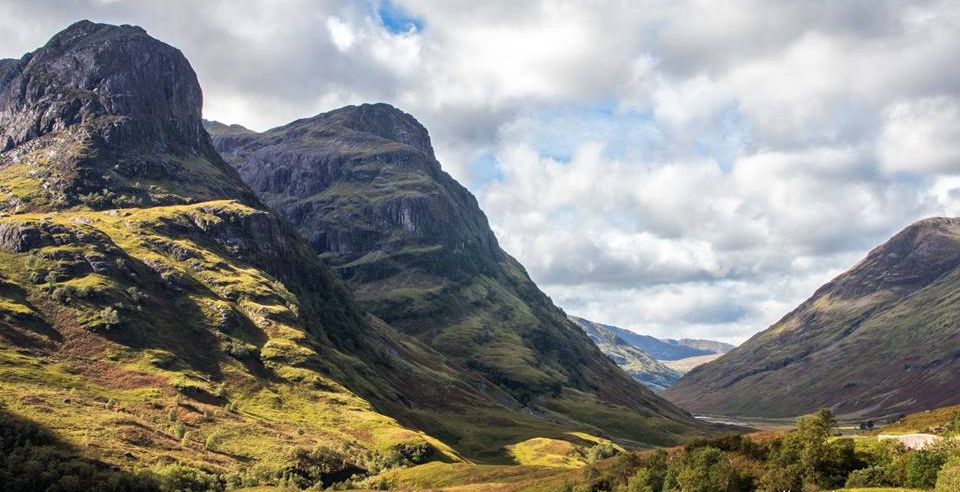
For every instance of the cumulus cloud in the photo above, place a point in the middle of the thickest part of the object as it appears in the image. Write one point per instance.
(688, 168)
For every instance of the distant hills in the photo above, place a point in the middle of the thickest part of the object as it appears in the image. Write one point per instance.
(633, 360)
(669, 349)
(880, 339)
(633, 353)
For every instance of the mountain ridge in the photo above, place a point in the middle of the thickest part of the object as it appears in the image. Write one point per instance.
(418, 252)
(154, 310)
(897, 304)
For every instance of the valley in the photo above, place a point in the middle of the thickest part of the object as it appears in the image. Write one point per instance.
(192, 305)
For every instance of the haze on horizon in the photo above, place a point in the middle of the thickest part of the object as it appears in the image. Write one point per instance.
(683, 169)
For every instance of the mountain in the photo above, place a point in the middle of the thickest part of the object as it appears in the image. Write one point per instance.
(635, 362)
(156, 316)
(153, 310)
(711, 346)
(880, 339)
(363, 185)
(668, 349)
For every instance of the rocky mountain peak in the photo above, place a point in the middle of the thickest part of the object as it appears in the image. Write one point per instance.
(105, 116)
(911, 259)
(93, 70)
(382, 120)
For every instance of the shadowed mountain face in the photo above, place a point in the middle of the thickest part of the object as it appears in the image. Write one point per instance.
(363, 186)
(880, 339)
(634, 361)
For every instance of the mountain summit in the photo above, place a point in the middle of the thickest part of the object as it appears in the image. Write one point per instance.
(362, 184)
(106, 116)
(880, 339)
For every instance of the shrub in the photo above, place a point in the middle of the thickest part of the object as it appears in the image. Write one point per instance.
(214, 440)
(179, 477)
(948, 480)
(874, 476)
(639, 482)
(221, 390)
(180, 430)
(172, 415)
(601, 451)
(922, 468)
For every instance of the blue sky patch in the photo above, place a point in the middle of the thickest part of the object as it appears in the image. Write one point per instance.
(396, 19)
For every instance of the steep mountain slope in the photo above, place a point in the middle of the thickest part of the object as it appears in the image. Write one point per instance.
(880, 339)
(363, 186)
(631, 359)
(151, 308)
(153, 311)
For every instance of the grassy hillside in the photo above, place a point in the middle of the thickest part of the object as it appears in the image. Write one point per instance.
(879, 340)
(156, 318)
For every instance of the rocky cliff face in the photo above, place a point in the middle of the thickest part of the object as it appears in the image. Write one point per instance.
(313, 171)
(363, 186)
(880, 339)
(105, 116)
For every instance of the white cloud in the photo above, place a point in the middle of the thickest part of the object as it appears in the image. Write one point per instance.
(340, 33)
(921, 136)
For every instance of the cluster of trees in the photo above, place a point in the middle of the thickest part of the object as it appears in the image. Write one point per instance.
(807, 459)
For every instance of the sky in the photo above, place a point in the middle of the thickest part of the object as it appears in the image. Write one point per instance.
(682, 168)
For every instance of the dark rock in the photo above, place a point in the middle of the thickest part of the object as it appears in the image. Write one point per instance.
(93, 70)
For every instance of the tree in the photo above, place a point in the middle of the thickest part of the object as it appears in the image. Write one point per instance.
(707, 470)
(922, 469)
(804, 459)
(639, 482)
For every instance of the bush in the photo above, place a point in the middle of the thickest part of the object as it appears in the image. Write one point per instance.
(180, 430)
(948, 480)
(601, 451)
(639, 482)
(874, 476)
(922, 468)
(185, 478)
(213, 442)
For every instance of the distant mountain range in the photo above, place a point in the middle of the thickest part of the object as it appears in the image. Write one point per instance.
(632, 352)
(633, 360)
(669, 349)
(881, 339)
